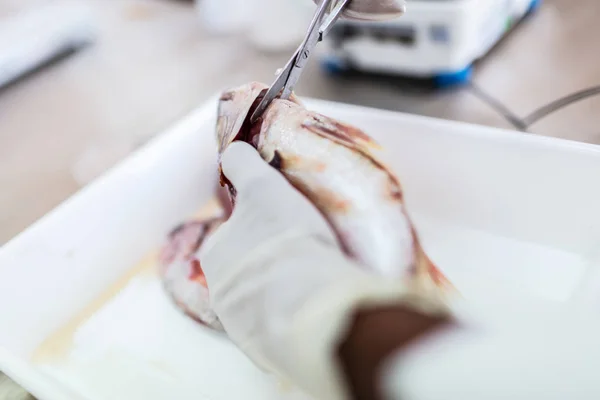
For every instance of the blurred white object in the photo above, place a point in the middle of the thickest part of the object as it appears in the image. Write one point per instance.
(271, 25)
(279, 25)
(222, 17)
(438, 39)
(35, 36)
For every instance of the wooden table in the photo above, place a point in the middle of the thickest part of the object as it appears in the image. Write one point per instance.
(152, 63)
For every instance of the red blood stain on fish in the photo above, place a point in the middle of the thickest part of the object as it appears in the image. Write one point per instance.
(186, 239)
(294, 162)
(276, 162)
(355, 139)
(327, 201)
(249, 131)
(227, 96)
(424, 266)
(225, 200)
(254, 132)
(196, 273)
(226, 183)
(332, 201)
(181, 270)
(437, 276)
(324, 210)
(183, 241)
(175, 231)
(394, 190)
(346, 134)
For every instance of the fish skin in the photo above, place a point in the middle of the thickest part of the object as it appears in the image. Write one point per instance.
(180, 269)
(234, 106)
(334, 166)
(360, 199)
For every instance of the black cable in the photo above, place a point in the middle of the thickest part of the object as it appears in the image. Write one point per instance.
(500, 108)
(560, 104)
(523, 124)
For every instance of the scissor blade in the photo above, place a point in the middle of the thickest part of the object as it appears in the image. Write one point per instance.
(306, 48)
(274, 90)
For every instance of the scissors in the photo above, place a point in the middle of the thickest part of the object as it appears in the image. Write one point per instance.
(288, 76)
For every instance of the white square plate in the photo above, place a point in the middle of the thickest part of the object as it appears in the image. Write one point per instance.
(507, 216)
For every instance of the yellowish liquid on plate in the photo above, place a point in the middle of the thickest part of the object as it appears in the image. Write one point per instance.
(58, 344)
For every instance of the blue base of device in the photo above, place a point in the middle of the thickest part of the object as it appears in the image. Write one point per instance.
(534, 6)
(334, 66)
(337, 66)
(454, 78)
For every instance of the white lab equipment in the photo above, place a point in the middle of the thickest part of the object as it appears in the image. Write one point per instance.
(438, 39)
(271, 27)
(266, 24)
(35, 36)
(223, 17)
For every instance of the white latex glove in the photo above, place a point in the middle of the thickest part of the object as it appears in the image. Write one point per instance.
(373, 10)
(278, 282)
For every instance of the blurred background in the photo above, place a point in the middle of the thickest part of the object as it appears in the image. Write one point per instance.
(140, 65)
(84, 83)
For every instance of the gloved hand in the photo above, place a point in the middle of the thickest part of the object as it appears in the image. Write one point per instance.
(279, 283)
(373, 10)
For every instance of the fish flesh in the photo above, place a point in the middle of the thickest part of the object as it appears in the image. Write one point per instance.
(331, 163)
(180, 269)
